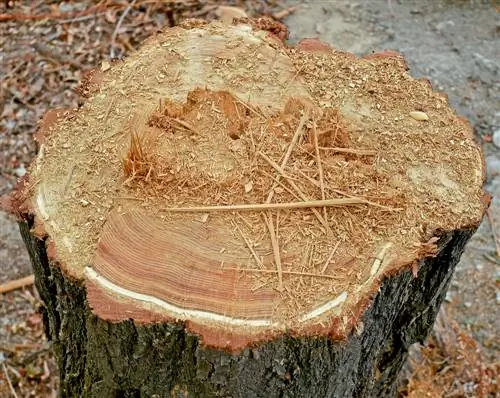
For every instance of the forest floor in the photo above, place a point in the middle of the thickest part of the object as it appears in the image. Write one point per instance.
(45, 46)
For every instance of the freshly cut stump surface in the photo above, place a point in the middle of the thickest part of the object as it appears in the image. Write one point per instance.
(247, 190)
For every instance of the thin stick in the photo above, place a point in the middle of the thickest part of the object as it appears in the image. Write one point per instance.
(350, 150)
(493, 231)
(186, 125)
(267, 206)
(80, 19)
(128, 198)
(295, 138)
(120, 21)
(284, 272)
(11, 388)
(55, 56)
(327, 262)
(362, 200)
(366, 201)
(276, 250)
(297, 189)
(320, 168)
(16, 284)
(251, 109)
(290, 191)
(285, 12)
(292, 79)
(257, 259)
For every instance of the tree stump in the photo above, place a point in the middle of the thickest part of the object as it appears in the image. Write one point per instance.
(228, 216)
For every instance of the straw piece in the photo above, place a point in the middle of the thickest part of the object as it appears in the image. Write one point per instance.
(297, 189)
(268, 206)
(284, 272)
(320, 168)
(353, 151)
(276, 250)
(327, 262)
(247, 242)
(295, 138)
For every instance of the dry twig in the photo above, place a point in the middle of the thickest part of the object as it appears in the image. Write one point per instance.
(284, 272)
(249, 245)
(289, 151)
(117, 28)
(276, 249)
(17, 284)
(11, 388)
(267, 206)
(320, 168)
(295, 187)
(362, 152)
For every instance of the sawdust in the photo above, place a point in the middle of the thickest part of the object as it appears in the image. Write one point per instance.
(155, 140)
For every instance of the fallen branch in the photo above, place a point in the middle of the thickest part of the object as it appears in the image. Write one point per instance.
(17, 284)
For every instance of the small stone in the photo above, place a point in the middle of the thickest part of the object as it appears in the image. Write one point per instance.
(449, 297)
(105, 66)
(496, 138)
(20, 171)
(248, 187)
(445, 24)
(418, 115)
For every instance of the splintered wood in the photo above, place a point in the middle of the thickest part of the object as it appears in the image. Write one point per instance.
(255, 170)
(270, 180)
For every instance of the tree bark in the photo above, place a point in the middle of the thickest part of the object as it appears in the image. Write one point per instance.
(128, 359)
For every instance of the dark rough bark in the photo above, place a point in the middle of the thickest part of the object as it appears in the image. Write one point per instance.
(101, 359)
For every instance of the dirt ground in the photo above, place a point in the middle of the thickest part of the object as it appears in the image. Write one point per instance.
(453, 43)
